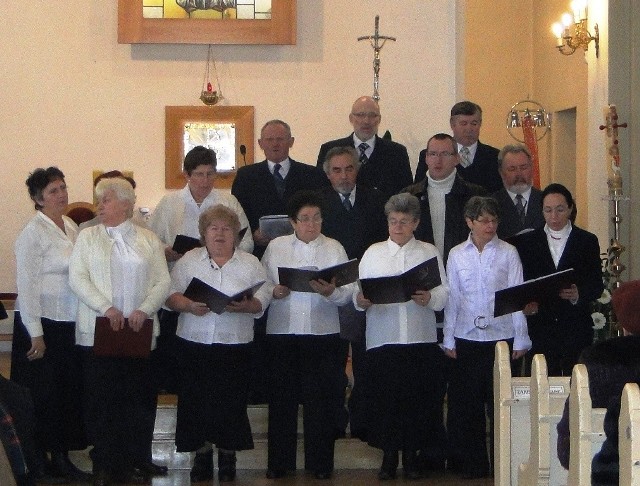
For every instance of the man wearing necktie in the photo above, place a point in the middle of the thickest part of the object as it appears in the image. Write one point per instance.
(520, 203)
(478, 161)
(353, 215)
(384, 164)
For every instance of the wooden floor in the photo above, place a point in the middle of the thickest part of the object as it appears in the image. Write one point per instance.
(351, 477)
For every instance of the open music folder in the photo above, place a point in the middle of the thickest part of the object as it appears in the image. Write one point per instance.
(514, 299)
(399, 288)
(297, 279)
(124, 343)
(199, 291)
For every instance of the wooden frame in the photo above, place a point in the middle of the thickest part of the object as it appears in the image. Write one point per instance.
(175, 119)
(133, 28)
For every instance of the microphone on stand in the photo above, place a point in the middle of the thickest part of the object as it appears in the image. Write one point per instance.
(243, 151)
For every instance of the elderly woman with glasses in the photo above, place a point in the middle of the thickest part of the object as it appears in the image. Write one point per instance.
(477, 268)
(214, 350)
(561, 327)
(118, 271)
(303, 343)
(402, 350)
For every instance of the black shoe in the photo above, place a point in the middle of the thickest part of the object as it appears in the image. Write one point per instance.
(410, 467)
(275, 473)
(323, 475)
(133, 475)
(226, 466)
(475, 474)
(389, 466)
(202, 469)
(62, 466)
(153, 469)
(101, 478)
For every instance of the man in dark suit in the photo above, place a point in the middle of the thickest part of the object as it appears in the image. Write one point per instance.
(520, 203)
(263, 189)
(478, 162)
(385, 164)
(442, 194)
(353, 214)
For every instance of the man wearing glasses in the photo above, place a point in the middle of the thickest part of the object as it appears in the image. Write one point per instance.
(442, 194)
(478, 162)
(384, 164)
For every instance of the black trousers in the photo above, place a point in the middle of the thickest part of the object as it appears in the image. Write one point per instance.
(55, 382)
(303, 369)
(119, 415)
(470, 403)
(403, 395)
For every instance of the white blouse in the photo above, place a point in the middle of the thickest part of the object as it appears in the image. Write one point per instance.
(474, 277)
(42, 256)
(406, 322)
(305, 312)
(242, 271)
(178, 213)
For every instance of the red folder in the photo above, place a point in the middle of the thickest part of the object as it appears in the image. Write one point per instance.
(125, 343)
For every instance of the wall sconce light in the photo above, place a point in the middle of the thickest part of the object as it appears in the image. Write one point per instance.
(567, 43)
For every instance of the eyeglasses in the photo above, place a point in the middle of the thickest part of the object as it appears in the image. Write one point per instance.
(370, 115)
(487, 222)
(307, 219)
(439, 154)
(400, 222)
(557, 209)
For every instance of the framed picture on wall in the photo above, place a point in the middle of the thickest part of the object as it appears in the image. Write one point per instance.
(206, 21)
(228, 130)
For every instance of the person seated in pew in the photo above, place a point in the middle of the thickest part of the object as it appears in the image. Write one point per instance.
(611, 364)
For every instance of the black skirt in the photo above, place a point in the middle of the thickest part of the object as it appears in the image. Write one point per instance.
(55, 382)
(213, 396)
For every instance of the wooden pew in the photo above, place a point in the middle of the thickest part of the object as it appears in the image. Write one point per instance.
(546, 403)
(514, 414)
(586, 426)
(629, 435)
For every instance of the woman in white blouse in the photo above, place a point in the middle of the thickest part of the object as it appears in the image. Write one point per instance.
(402, 350)
(214, 350)
(118, 270)
(45, 358)
(303, 344)
(477, 268)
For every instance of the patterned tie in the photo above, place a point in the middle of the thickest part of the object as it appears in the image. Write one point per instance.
(464, 154)
(363, 153)
(279, 180)
(520, 208)
(346, 202)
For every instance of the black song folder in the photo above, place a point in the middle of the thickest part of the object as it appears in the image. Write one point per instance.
(199, 291)
(400, 288)
(514, 299)
(297, 279)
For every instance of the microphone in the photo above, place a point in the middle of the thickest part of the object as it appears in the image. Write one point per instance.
(243, 152)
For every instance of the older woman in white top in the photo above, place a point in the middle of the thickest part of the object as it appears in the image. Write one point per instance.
(118, 270)
(45, 358)
(402, 349)
(303, 340)
(215, 350)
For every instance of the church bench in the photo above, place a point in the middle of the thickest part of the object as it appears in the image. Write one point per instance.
(629, 435)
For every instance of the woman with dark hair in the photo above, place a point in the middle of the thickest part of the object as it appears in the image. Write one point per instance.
(476, 269)
(118, 271)
(303, 343)
(44, 356)
(403, 355)
(214, 350)
(561, 327)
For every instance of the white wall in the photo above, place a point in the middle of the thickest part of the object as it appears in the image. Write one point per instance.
(74, 98)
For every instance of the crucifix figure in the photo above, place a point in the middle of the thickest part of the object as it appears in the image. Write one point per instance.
(377, 46)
